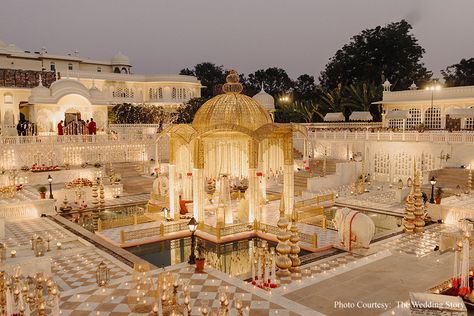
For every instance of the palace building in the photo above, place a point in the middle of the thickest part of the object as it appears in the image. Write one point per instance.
(433, 108)
(45, 88)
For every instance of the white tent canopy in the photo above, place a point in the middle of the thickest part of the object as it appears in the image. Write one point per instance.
(460, 113)
(334, 117)
(360, 116)
(397, 114)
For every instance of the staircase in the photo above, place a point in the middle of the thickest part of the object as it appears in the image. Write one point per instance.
(300, 181)
(128, 169)
(132, 178)
(450, 177)
(316, 166)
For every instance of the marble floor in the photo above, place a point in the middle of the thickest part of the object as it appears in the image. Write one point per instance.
(394, 267)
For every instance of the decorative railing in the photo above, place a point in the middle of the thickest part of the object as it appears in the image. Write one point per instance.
(311, 239)
(160, 230)
(72, 139)
(235, 229)
(313, 126)
(150, 129)
(122, 221)
(411, 136)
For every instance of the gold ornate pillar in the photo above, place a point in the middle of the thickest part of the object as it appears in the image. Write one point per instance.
(253, 180)
(198, 180)
(288, 173)
(173, 194)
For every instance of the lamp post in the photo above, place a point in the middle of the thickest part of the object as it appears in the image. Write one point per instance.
(50, 180)
(433, 182)
(192, 228)
(432, 88)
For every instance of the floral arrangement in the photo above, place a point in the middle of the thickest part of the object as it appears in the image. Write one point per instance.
(79, 182)
(43, 167)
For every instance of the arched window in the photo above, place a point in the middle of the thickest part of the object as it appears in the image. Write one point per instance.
(395, 123)
(415, 118)
(153, 94)
(173, 93)
(124, 70)
(117, 70)
(470, 121)
(52, 66)
(160, 93)
(433, 118)
(123, 92)
(69, 66)
(8, 98)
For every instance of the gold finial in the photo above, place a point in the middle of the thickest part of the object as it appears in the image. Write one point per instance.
(232, 85)
(282, 205)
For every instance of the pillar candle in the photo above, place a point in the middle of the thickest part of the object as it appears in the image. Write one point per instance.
(253, 265)
(265, 272)
(273, 269)
(259, 267)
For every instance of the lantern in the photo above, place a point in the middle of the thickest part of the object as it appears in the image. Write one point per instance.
(102, 275)
(3, 253)
(39, 247)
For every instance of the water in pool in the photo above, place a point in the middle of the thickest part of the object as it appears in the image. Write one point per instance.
(232, 258)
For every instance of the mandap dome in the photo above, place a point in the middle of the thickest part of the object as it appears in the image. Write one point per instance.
(231, 108)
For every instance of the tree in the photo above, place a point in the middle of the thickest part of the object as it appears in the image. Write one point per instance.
(461, 74)
(185, 113)
(333, 100)
(127, 113)
(210, 75)
(298, 112)
(389, 51)
(361, 95)
(275, 80)
(305, 88)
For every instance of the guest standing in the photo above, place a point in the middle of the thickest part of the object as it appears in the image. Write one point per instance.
(92, 127)
(60, 128)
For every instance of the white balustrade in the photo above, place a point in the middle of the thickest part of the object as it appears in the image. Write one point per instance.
(427, 136)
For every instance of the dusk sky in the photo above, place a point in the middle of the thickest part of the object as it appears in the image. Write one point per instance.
(165, 36)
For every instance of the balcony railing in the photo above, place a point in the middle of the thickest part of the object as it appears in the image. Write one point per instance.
(430, 136)
(70, 139)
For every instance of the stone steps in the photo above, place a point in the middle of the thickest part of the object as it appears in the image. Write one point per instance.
(450, 177)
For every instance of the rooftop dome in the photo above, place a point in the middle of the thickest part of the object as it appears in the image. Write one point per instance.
(120, 59)
(232, 108)
(2, 44)
(14, 49)
(265, 99)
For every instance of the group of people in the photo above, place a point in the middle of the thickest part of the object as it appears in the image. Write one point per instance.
(79, 127)
(25, 128)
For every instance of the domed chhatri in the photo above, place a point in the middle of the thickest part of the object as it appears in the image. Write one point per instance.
(265, 99)
(231, 108)
(120, 59)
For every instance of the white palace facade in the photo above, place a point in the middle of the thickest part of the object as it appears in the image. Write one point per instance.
(432, 108)
(45, 87)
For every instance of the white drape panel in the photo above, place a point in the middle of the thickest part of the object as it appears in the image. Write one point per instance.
(226, 157)
(273, 159)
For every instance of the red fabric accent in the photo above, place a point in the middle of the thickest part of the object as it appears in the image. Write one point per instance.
(92, 128)
(350, 230)
(189, 174)
(259, 174)
(183, 210)
(60, 129)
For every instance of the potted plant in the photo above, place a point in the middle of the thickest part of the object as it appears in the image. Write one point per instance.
(439, 195)
(42, 192)
(200, 258)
